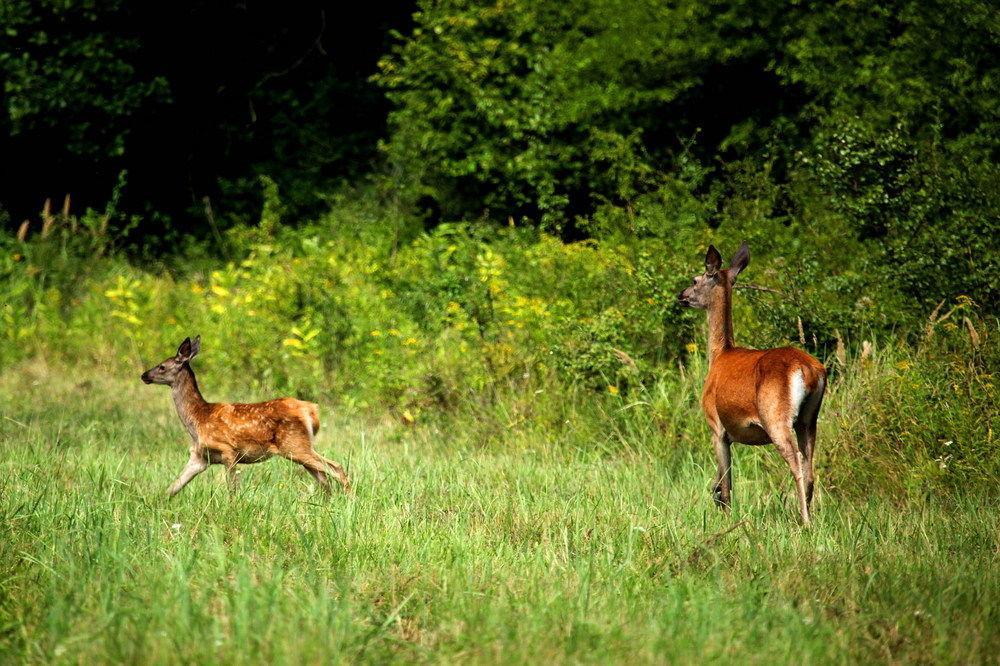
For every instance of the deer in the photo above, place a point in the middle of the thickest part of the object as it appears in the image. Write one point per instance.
(754, 396)
(232, 434)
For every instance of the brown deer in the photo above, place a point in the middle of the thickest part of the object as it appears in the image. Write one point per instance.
(232, 434)
(754, 396)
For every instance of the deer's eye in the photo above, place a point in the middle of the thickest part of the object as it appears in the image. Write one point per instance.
(161, 367)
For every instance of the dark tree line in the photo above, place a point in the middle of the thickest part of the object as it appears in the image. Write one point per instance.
(191, 99)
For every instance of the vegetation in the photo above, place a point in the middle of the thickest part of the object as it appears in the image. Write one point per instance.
(520, 417)
(653, 115)
(477, 281)
(591, 539)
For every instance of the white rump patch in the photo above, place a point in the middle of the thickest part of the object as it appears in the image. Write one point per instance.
(798, 393)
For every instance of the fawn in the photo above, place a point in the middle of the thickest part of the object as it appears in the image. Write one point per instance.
(233, 434)
(754, 396)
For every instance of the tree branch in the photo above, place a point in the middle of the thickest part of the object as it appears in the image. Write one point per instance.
(316, 45)
(758, 288)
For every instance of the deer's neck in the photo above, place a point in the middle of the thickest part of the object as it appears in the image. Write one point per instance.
(191, 407)
(720, 321)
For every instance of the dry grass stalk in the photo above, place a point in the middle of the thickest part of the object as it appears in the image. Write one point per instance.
(932, 320)
(973, 333)
(625, 359)
(47, 219)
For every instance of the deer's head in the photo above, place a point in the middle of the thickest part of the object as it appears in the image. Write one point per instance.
(166, 372)
(706, 286)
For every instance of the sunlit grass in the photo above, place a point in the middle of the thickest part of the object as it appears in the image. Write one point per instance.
(457, 550)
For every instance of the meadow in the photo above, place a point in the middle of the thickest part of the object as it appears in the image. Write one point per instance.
(520, 418)
(486, 537)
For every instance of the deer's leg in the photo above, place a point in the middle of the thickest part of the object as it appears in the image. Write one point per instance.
(805, 434)
(779, 415)
(811, 438)
(723, 486)
(196, 464)
(322, 469)
(229, 459)
(338, 472)
(785, 441)
(233, 478)
(303, 454)
(316, 466)
(298, 447)
(321, 478)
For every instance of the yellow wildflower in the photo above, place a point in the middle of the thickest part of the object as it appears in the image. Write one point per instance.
(376, 334)
(127, 316)
(691, 347)
(613, 390)
(219, 290)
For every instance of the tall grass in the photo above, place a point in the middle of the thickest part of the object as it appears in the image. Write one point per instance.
(536, 545)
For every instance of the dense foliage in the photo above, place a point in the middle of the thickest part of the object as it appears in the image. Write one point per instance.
(884, 118)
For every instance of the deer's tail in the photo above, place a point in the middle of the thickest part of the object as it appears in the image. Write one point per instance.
(312, 411)
(309, 417)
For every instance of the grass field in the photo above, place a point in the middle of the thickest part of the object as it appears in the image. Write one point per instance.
(527, 550)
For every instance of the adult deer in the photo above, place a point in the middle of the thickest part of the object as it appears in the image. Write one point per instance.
(754, 396)
(232, 434)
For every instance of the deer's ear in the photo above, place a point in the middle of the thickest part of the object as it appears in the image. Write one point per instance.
(184, 352)
(740, 261)
(713, 260)
(195, 346)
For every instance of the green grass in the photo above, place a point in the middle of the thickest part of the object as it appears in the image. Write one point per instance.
(530, 548)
